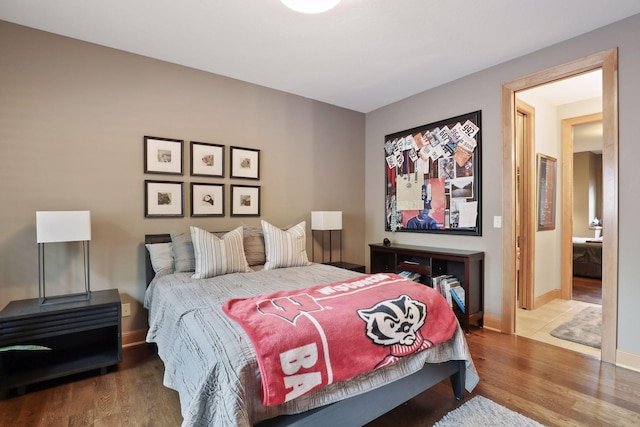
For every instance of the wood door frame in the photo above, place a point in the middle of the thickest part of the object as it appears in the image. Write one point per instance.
(608, 61)
(527, 209)
(566, 274)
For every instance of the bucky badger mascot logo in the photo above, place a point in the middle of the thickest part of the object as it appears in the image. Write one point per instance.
(396, 324)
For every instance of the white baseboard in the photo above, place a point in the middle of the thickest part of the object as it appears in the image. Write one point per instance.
(628, 360)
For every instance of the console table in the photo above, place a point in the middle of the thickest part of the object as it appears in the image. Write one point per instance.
(82, 336)
(466, 266)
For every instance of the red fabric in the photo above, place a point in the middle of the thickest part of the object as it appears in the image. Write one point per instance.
(309, 338)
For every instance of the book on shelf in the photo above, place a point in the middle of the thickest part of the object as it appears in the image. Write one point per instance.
(442, 284)
(435, 282)
(457, 294)
(448, 284)
(415, 267)
(410, 275)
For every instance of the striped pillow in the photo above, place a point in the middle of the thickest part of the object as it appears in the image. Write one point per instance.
(253, 245)
(285, 248)
(216, 256)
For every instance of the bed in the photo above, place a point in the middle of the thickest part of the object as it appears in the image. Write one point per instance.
(587, 257)
(210, 361)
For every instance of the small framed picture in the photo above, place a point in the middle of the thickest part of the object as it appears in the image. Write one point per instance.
(163, 199)
(163, 155)
(245, 200)
(546, 172)
(207, 199)
(245, 163)
(207, 159)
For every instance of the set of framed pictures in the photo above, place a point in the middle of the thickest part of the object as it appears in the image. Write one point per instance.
(166, 198)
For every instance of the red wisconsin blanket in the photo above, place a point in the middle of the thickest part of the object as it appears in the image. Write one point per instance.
(309, 338)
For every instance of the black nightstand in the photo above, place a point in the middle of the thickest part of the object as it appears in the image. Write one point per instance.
(347, 266)
(82, 335)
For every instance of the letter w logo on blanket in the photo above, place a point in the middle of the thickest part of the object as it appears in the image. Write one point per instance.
(289, 308)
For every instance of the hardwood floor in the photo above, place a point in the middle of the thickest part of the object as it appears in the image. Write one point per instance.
(537, 324)
(131, 395)
(555, 386)
(587, 290)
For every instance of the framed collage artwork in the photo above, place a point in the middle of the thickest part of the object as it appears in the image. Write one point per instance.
(433, 177)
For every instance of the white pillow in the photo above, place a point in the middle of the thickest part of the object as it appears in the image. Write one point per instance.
(216, 256)
(161, 258)
(285, 248)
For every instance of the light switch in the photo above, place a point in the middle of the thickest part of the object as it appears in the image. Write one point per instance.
(497, 222)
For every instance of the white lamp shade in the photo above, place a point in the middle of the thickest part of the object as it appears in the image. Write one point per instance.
(310, 6)
(63, 226)
(326, 220)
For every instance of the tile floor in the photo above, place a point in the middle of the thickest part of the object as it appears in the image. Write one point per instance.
(538, 323)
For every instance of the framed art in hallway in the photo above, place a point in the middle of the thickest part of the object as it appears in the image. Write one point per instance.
(546, 174)
(207, 159)
(245, 200)
(207, 199)
(163, 155)
(245, 163)
(163, 199)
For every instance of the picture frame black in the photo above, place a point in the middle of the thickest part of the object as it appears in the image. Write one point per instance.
(433, 177)
(163, 199)
(245, 200)
(163, 155)
(207, 159)
(546, 173)
(207, 200)
(245, 163)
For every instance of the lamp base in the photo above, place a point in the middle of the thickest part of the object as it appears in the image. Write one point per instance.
(43, 299)
(64, 299)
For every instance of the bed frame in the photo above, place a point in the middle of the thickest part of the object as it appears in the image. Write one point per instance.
(361, 409)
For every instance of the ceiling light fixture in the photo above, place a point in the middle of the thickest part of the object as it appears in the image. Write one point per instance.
(310, 6)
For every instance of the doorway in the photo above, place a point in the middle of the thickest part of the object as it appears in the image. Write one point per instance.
(607, 61)
(539, 314)
(580, 231)
(525, 193)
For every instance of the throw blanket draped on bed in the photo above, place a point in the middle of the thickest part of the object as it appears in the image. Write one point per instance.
(307, 339)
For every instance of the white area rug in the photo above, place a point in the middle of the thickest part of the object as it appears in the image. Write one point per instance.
(481, 411)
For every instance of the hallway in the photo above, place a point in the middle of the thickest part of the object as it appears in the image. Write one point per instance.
(538, 324)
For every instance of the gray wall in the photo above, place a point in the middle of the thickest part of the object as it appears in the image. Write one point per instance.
(72, 120)
(481, 91)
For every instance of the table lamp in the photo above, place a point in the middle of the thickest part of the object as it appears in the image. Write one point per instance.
(327, 221)
(57, 227)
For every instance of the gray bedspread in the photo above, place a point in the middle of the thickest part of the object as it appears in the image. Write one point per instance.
(211, 362)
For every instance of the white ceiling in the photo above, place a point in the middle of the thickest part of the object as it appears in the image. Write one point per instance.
(578, 88)
(362, 55)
